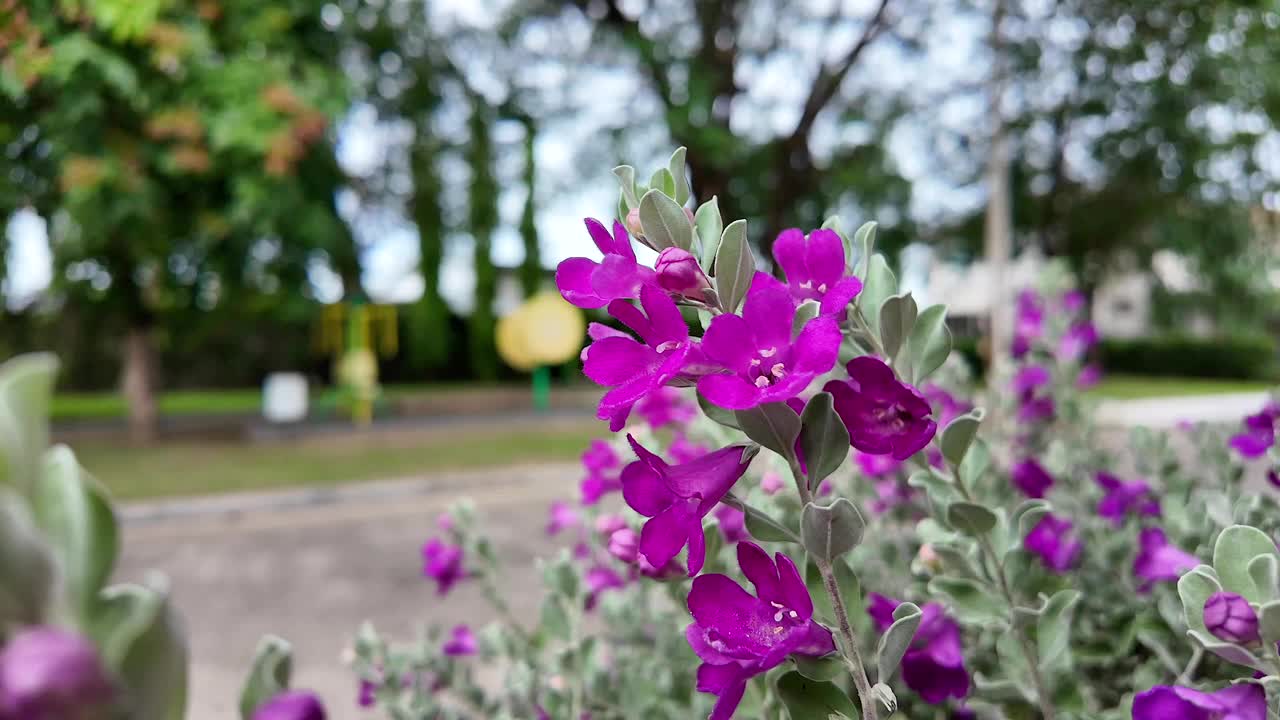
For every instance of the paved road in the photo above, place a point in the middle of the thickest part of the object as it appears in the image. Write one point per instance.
(313, 571)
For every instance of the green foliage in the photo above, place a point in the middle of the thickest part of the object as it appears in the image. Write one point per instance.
(482, 220)
(1236, 357)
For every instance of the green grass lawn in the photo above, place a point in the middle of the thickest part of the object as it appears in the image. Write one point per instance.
(1129, 387)
(174, 469)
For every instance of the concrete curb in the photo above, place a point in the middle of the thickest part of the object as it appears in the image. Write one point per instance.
(1165, 412)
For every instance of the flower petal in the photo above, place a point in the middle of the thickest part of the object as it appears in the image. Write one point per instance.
(817, 348)
(768, 312)
(729, 391)
(573, 278)
(622, 241)
(728, 701)
(618, 277)
(761, 571)
(825, 257)
(789, 252)
(794, 592)
(615, 360)
(662, 536)
(840, 295)
(708, 477)
(664, 317)
(599, 235)
(729, 342)
(644, 490)
(697, 550)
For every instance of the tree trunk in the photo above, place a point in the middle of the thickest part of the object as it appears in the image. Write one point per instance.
(137, 382)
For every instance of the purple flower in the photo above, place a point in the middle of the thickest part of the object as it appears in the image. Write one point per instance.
(291, 705)
(770, 482)
(884, 416)
(945, 405)
(624, 544)
(679, 273)
(561, 516)
(1033, 404)
(666, 406)
(738, 636)
(1273, 477)
(50, 674)
(598, 580)
(890, 493)
(934, 663)
(602, 464)
(635, 369)
(1073, 301)
(676, 498)
(1054, 540)
(733, 524)
(610, 523)
(1077, 341)
(1243, 701)
(590, 284)
(1031, 478)
(1028, 322)
(1158, 560)
(764, 363)
(1122, 498)
(1089, 376)
(876, 466)
(1231, 618)
(461, 642)
(367, 696)
(684, 450)
(1259, 433)
(442, 562)
(816, 268)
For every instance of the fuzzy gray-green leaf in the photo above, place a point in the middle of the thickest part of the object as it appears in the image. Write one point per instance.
(735, 266)
(664, 222)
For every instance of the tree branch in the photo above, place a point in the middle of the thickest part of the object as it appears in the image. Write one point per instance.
(829, 79)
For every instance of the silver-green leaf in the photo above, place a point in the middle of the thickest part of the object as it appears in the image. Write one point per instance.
(735, 266)
(958, 435)
(929, 343)
(897, 318)
(1237, 546)
(677, 169)
(774, 425)
(269, 674)
(897, 639)
(664, 222)
(1053, 630)
(830, 531)
(709, 226)
(823, 438)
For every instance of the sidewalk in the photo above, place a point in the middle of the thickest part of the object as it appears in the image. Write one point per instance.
(1167, 412)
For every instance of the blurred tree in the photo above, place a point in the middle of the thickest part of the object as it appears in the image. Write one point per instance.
(180, 151)
(482, 221)
(531, 272)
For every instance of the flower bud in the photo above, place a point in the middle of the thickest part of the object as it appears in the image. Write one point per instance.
(51, 674)
(1229, 617)
(291, 705)
(624, 544)
(610, 523)
(679, 272)
(633, 223)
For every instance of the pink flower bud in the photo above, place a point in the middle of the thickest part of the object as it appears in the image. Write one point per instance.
(679, 272)
(624, 545)
(633, 223)
(51, 673)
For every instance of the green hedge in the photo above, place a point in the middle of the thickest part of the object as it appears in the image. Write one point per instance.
(1242, 357)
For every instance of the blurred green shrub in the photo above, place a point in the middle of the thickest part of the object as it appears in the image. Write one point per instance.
(1241, 356)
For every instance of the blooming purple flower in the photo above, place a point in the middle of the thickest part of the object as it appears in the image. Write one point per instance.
(610, 523)
(1031, 478)
(1034, 403)
(603, 465)
(599, 579)
(1230, 617)
(945, 405)
(1054, 540)
(763, 362)
(934, 663)
(1158, 560)
(738, 636)
(590, 284)
(733, 524)
(676, 498)
(48, 673)
(770, 482)
(634, 369)
(560, 516)
(1028, 322)
(367, 696)
(291, 705)
(624, 544)
(1089, 376)
(1243, 701)
(684, 450)
(891, 493)
(816, 268)
(1073, 301)
(1076, 341)
(442, 562)
(679, 273)
(461, 642)
(877, 466)
(883, 415)
(1259, 433)
(1122, 498)
(666, 406)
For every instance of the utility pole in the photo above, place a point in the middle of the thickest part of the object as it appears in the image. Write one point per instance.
(997, 228)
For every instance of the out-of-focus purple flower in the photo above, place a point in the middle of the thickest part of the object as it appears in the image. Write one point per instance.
(1122, 498)
(890, 493)
(1158, 560)
(291, 705)
(1089, 376)
(934, 664)
(666, 406)
(1243, 701)
(603, 465)
(1077, 341)
(883, 415)
(610, 523)
(679, 273)
(1273, 477)
(762, 361)
(624, 544)
(934, 456)
(1055, 541)
(770, 482)
(1231, 618)
(1259, 433)
(634, 369)
(684, 450)
(442, 562)
(367, 695)
(945, 405)
(599, 579)
(825, 488)
(461, 642)
(1034, 402)
(1073, 301)
(675, 498)
(561, 515)
(1028, 322)
(733, 524)
(47, 673)
(1031, 478)
(738, 636)
(590, 284)
(876, 466)
(444, 521)
(816, 268)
